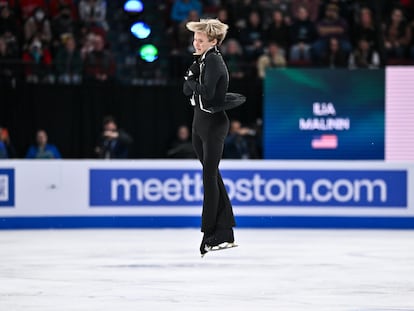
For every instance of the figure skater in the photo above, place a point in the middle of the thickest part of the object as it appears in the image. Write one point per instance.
(206, 81)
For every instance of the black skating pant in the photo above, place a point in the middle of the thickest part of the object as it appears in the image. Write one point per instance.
(208, 134)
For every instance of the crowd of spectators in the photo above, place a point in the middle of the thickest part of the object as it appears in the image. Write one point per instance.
(65, 41)
(242, 142)
(111, 143)
(311, 33)
(54, 41)
(40, 149)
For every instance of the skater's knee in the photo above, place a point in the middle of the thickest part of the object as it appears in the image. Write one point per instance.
(210, 170)
(210, 176)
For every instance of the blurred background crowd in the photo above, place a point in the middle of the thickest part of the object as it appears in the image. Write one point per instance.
(76, 41)
(81, 42)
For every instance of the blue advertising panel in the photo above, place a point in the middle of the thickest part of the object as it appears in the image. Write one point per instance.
(6, 188)
(324, 114)
(259, 187)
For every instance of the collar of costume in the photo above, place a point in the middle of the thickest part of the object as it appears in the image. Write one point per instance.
(213, 49)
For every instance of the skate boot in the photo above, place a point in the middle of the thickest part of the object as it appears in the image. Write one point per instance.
(207, 235)
(222, 239)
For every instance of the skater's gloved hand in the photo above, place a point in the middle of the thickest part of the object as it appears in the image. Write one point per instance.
(193, 72)
(189, 75)
(197, 57)
(195, 68)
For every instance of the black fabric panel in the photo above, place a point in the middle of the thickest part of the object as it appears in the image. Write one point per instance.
(72, 115)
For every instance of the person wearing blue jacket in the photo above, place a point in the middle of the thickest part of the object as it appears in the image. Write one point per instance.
(43, 150)
(181, 8)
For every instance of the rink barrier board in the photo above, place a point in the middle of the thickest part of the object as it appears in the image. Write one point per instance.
(159, 222)
(265, 194)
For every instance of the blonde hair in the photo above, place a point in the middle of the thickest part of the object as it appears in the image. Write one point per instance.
(213, 28)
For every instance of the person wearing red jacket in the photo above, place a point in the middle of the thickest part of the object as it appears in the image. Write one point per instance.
(27, 7)
(38, 63)
(99, 65)
(55, 7)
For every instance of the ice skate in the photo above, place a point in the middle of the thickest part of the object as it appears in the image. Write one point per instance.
(206, 236)
(219, 247)
(222, 239)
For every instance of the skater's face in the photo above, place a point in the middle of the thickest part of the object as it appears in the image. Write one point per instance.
(201, 42)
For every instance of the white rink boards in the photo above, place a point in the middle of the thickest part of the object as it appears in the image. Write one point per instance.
(160, 194)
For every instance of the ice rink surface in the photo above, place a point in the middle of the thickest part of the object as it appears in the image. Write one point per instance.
(119, 270)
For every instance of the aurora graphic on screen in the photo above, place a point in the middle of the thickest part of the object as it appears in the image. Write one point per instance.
(324, 114)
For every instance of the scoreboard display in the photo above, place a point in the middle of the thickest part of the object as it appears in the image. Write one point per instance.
(336, 114)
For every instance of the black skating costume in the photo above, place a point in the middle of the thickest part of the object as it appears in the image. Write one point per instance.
(210, 126)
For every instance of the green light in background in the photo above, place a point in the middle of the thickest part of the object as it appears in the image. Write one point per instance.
(148, 53)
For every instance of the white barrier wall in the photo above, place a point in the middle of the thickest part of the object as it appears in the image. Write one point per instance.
(159, 193)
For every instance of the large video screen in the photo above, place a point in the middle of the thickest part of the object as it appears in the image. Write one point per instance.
(324, 114)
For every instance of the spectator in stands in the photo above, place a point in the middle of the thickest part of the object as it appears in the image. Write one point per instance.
(38, 26)
(236, 144)
(8, 22)
(92, 14)
(331, 26)
(99, 65)
(63, 25)
(88, 43)
(364, 28)
(43, 150)
(69, 62)
(211, 7)
(38, 63)
(181, 9)
(9, 31)
(233, 55)
(344, 7)
(252, 37)
(181, 147)
(239, 10)
(364, 56)
(268, 7)
(55, 8)
(182, 46)
(27, 7)
(3, 148)
(113, 143)
(7, 150)
(8, 65)
(272, 58)
(277, 31)
(302, 36)
(396, 35)
(311, 6)
(408, 7)
(184, 37)
(334, 56)
(223, 16)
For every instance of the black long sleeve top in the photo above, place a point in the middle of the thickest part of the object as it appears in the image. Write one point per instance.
(209, 90)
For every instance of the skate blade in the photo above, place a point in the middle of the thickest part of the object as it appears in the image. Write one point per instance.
(219, 247)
